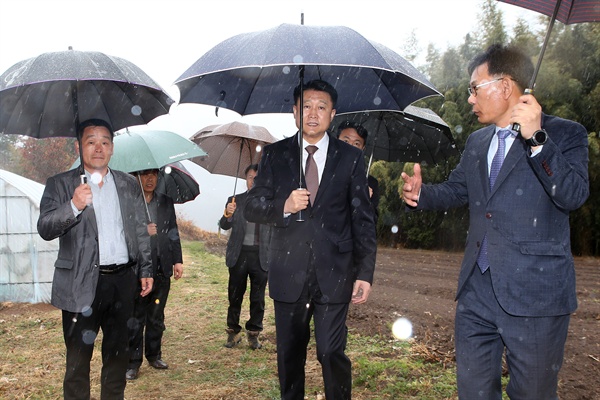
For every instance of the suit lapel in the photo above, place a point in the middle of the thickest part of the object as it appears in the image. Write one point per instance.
(484, 143)
(333, 159)
(517, 152)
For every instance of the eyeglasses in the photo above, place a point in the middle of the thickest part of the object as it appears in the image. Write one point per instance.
(473, 88)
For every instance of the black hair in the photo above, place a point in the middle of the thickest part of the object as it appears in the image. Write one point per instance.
(251, 167)
(505, 60)
(94, 122)
(347, 124)
(318, 85)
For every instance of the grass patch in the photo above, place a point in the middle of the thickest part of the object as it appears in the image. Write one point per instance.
(32, 361)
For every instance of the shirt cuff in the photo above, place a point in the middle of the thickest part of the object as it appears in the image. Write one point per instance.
(76, 212)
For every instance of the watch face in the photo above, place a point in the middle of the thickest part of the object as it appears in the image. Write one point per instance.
(540, 137)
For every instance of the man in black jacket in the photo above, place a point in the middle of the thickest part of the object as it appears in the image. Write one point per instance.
(167, 261)
(246, 258)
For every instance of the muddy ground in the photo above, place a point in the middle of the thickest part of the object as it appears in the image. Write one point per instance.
(420, 285)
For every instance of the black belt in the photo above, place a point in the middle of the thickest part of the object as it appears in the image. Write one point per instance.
(114, 268)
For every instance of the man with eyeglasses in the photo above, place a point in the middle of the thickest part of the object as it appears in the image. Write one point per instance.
(516, 288)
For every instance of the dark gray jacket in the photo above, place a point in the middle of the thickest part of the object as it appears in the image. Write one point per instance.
(76, 268)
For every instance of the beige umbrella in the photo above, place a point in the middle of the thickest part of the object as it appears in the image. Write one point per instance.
(231, 147)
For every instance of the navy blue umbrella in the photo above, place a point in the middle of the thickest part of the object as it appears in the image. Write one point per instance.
(256, 72)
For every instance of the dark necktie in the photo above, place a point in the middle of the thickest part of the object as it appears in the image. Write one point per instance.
(482, 259)
(311, 173)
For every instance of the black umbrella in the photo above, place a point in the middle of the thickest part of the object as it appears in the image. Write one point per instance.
(565, 11)
(413, 135)
(256, 72)
(48, 95)
(175, 181)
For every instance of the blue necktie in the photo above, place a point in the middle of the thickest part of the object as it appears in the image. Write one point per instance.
(482, 259)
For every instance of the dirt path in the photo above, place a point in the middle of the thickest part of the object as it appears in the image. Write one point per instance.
(420, 285)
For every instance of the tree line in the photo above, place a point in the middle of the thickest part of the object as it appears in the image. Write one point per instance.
(568, 85)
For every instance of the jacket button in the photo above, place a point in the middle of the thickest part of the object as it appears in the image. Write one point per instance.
(488, 215)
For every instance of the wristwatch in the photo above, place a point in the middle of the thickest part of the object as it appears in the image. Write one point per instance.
(539, 138)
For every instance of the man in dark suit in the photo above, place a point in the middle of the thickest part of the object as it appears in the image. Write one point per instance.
(167, 261)
(516, 287)
(246, 258)
(356, 135)
(318, 265)
(104, 249)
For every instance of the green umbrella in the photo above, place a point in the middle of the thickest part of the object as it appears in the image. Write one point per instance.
(151, 149)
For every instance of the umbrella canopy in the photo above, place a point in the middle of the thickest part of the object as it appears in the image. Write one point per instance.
(231, 147)
(48, 95)
(256, 72)
(151, 149)
(415, 135)
(176, 182)
(569, 11)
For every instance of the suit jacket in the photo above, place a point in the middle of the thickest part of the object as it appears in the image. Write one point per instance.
(338, 233)
(76, 268)
(525, 215)
(237, 224)
(168, 239)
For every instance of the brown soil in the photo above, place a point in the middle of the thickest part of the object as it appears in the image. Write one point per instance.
(420, 285)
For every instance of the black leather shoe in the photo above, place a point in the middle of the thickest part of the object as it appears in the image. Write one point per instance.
(158, 364)
(132, 374)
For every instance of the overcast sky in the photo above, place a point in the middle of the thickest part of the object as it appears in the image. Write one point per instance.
(165, 37)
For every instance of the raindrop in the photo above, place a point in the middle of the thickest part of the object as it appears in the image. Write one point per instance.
(259, 148)
(86, 312)
(553, 192)
(402, 329)
(355, 202)
(286, 70)
(298, 59)
(519, 192)
(96, 178)
(167, 170)
(395, 229)
(458, 129)
(535, 222)
(88, 337)
(307, 305)
(377, 101)
(136, 110)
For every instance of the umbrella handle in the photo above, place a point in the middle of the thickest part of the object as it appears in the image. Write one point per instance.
(146, 204)
(300, 217)
(516, 126)
(225, 213)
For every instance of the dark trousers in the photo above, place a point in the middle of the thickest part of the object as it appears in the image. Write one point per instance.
(247, 266)
(534, 346)
(111, 310)
(149, 314)
(292, 323)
